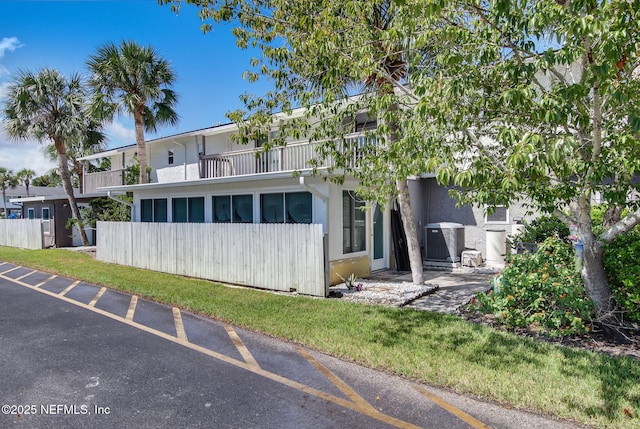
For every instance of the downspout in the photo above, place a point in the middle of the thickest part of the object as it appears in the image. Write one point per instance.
(126, 203)
(184, 163)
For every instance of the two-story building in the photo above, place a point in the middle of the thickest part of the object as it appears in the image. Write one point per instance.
(206, 176)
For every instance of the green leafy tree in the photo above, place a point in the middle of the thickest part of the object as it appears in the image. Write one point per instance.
(7, 181)
(538, 101)
(51, 179)
(48, 107)
(135, 80)
(24, 176)
(318, 55)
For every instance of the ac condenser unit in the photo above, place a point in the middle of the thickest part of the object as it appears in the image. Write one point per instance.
(444, 241)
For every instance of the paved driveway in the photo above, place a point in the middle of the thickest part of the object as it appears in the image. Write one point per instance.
(76, 355)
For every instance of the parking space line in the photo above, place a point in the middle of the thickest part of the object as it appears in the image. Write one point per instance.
(71, 286)
(244, 351)
(356, 403)
(97, 297)
(132, 308)
(344, 388)
(45, 281)
(177, 320)
(471, 421)
(26, 275)
(11, 269)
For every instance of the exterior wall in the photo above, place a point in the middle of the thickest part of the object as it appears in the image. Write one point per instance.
(186, 163)
(435, 205)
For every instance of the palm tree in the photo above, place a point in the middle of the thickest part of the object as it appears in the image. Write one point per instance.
(89, 143)
(49, 108)
(133, 79)
(24, 176)
(7, 181)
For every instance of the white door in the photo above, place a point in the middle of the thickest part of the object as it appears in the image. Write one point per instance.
(379, 238)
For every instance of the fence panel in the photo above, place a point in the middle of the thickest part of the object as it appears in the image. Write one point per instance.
(23, 233)
(269, 256)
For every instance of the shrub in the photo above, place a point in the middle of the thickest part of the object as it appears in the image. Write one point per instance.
(622, 264)
(541, 228)
(541, 291)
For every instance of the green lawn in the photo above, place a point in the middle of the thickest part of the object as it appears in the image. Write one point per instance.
(437, 349)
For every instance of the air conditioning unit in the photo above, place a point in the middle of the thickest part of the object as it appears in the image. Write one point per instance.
(444, 241)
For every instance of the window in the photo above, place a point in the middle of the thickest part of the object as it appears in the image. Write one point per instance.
(233, 208)
(497, 214)
(298, 207)
(153, 210)
(242, 206)
(46, 220)
(222, 209)
(188, 209)
(272, 208)
(353, 223)
(289, 207)
(170, 157)
(31, 213)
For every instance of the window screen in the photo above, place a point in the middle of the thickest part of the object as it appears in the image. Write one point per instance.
(222, 209)
(272, 208)
(242, 208)
(179, 207)
(298, 207)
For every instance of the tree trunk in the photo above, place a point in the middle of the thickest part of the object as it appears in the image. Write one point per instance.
(593, 274)
(413, 245)
(142, 149)
(78, 168)
(65, 177)
(4, 201)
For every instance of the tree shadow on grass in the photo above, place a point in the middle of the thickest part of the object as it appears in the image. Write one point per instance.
(504, 353)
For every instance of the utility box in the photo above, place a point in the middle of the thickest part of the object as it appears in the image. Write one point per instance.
(444, 241)
(471, 258)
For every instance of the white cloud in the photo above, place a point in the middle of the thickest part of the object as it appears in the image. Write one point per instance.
(119, 135)
(16, 156)
(9, 44)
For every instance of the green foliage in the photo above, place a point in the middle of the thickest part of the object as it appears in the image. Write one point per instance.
(106, 209)
(132, 173)
(622, 263)
(541, 291)
(541, 228)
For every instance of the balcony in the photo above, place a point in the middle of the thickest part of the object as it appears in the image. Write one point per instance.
(93, 181)
(292, 157)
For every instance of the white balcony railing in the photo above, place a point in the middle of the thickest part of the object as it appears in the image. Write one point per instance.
(294, 156)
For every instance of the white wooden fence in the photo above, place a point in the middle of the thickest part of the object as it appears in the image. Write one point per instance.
(24, 233)
(270, 256)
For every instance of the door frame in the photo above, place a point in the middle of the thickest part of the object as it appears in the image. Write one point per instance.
(380, 263)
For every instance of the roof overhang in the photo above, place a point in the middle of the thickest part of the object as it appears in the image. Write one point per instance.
(43, 198)
(217, 180)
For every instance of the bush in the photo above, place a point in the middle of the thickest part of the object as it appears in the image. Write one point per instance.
(622, 264)
(541, 228)
(541, 291)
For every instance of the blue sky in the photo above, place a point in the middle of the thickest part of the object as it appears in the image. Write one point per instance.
(62, 34)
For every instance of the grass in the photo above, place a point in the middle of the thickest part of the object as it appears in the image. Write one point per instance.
(436, 349)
